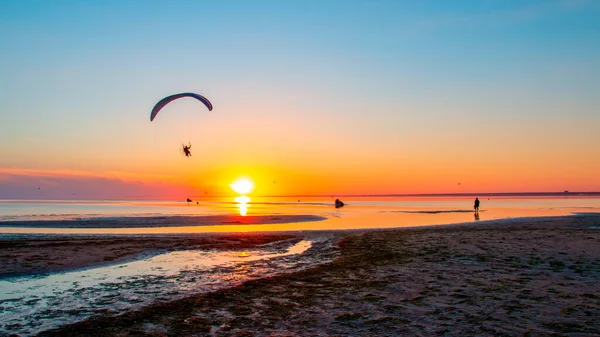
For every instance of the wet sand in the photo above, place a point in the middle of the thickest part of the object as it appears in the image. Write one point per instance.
(534, 277)
(31, 256)
(163, 221)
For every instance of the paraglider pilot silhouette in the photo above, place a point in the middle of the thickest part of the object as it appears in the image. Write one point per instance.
(186, 149)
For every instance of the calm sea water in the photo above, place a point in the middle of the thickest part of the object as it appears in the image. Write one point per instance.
(359, 212)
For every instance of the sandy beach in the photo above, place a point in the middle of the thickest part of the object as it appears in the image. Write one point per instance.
(532, 277)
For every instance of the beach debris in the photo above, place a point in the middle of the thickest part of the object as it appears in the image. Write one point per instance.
(161, 104)
(338, 203)
(189, 200)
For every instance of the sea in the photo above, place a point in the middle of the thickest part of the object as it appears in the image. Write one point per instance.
(31, 304)
(359, 212)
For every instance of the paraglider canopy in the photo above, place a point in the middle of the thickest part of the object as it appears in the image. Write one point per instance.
(161, 104)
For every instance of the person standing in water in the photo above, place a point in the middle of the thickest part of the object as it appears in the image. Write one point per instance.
(476, 206)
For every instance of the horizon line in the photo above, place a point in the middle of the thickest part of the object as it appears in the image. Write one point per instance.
(435, 194)
(471, 194)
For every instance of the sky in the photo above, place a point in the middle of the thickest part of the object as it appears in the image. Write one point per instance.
(310, 97)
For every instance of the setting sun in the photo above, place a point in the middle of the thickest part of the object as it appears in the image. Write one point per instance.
(242, 186)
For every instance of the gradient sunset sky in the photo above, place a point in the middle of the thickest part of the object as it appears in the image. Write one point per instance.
(310, 97)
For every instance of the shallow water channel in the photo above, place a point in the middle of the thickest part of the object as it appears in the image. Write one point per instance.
(32, 304)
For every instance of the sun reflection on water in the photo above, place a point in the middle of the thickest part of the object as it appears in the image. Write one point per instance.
(242, 203)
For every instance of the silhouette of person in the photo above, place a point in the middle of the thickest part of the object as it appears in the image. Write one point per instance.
(186, 150)
(338, 203)
(476, 206)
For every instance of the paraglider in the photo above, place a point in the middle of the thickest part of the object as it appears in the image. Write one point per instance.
(186, 149)
(161, 104)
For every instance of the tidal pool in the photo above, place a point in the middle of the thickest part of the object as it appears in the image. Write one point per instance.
(32, 304)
